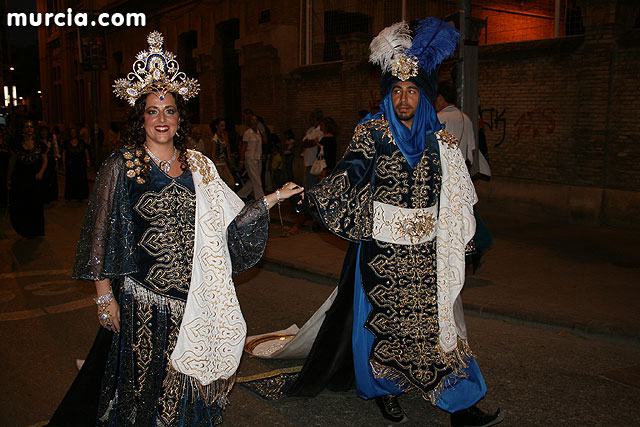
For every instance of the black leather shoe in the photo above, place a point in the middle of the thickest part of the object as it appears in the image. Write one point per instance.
(475, 417)
(391, 409)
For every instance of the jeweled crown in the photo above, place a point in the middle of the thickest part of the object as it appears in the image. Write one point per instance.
(155, 71)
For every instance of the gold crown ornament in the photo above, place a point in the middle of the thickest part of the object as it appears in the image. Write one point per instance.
(155, 71)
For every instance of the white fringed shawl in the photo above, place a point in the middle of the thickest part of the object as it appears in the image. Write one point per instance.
(213, 331)
(456, 227)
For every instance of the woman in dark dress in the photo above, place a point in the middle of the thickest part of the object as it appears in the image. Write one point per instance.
(162, 226)
(50, 178)
(4, 164)
(75, 157)
(25, 188)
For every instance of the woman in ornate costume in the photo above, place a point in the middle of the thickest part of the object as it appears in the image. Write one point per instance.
(25, 184)
(161, 239)
(221, 151)
(75, 158)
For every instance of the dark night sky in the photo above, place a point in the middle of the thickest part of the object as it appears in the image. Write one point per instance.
(24, 51)
(22, 36)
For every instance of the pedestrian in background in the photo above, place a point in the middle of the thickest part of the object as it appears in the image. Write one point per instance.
(276, 165)
(459, 125)
(76, 160)
(289, 151)
(221, 150)
(113, 138)
(328, 144)
(251, 158)
(4, 164)
(50, 178)
(26, 170)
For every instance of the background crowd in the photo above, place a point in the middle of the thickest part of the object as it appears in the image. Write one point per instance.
(41, 164)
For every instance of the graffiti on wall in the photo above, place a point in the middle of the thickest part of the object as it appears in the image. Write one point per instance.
(495, 121)
(536, 123)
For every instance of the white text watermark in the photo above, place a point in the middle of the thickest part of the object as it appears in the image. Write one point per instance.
(79, 19)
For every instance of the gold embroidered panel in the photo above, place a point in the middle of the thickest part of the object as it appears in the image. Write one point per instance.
(169, 237)
(404, 316)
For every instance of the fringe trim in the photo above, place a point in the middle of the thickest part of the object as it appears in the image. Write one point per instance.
(214, 393)
(457, 360)
(391, 374)
(171, 305)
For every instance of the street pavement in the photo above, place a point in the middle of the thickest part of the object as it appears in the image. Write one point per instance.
(552, 318)
(583, 279)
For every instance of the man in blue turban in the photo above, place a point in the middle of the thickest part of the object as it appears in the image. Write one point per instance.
(402, 195)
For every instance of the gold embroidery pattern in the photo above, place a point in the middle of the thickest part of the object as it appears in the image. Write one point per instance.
(415, 227)
(403, 226)
(197, 163)
(392, 185)
(362, 141)
(448, 138)
(426, 183)
(169, 239)
(143, 345)
(170, 392)
(134, 165)
(345, 210)
(406, 315)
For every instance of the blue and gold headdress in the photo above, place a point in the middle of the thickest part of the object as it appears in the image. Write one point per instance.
(404, 58)
(155, 71)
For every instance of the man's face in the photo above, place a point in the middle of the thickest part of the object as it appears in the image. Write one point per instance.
(253, 122)
(405, 97)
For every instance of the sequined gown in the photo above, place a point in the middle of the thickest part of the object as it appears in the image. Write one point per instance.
(140, 233)
(25, 193)
(383, 325)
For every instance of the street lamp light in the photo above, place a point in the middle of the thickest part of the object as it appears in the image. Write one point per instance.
(11, 69)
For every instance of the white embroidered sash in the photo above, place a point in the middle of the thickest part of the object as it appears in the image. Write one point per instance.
(456, 227)
(403, 226)
(213, 331)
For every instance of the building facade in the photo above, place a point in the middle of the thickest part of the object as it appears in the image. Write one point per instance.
(558, 82)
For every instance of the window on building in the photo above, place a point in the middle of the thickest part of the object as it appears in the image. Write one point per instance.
(338, 23)
(265, 16)
(187, 43)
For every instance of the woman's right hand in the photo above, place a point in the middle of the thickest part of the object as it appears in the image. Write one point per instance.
(112, 320)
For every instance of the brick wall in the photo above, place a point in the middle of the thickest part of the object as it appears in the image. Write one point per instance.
(570, 110)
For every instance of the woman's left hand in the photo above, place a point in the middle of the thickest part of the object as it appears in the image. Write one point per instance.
(289, 189)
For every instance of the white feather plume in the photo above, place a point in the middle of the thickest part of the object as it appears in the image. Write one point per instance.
(391, 41)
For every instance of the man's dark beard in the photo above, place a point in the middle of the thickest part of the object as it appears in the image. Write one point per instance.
(405, 116)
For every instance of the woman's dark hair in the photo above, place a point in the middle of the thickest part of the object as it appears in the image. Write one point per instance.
(67, 133)
(136, 136)
(289, 134)
(329, 125)
(41, 128)
(214, 124)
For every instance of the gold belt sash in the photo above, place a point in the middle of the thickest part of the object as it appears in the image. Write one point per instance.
(404, 226)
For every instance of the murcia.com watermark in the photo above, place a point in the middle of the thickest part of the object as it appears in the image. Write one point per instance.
(79, 19)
